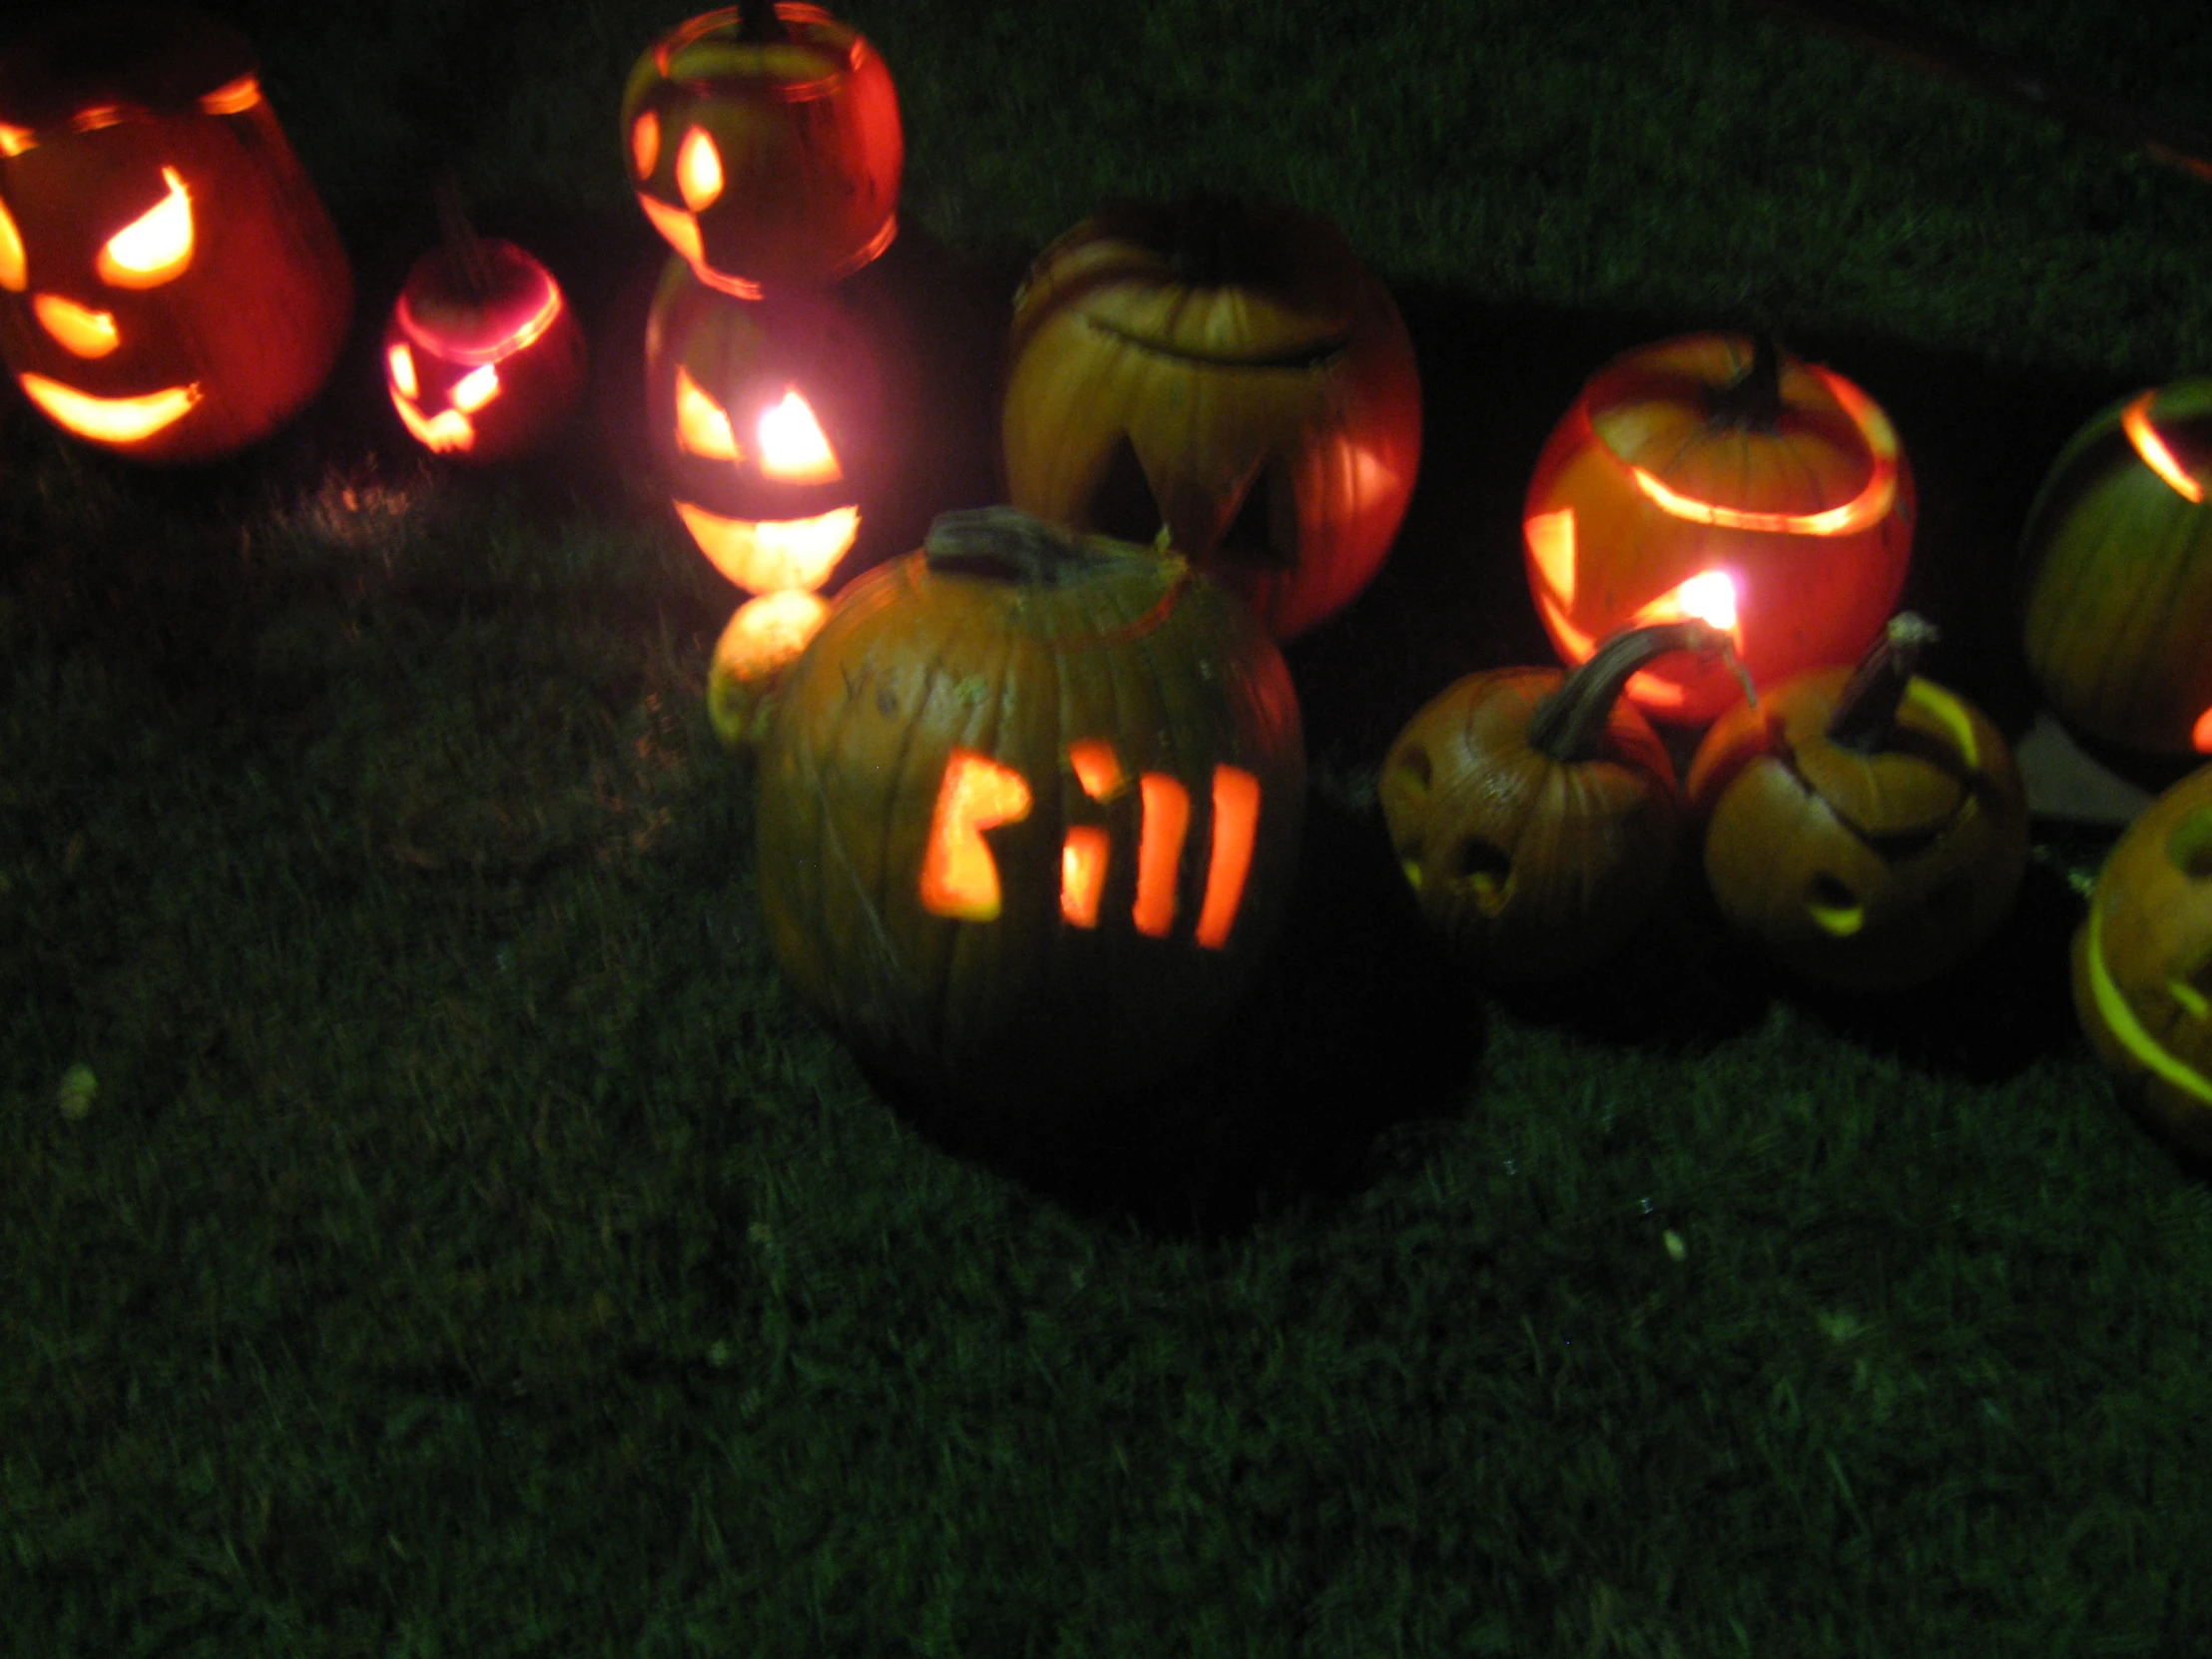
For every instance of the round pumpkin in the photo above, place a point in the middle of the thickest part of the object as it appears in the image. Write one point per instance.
(2143, 964)
(1227, 374)
(766, 146)
(1029, 812)
(482, 354)
(1535, 814)
(2116, 574)
(1866, 828)
(169, 285)
(1719, 476)
(762, 637)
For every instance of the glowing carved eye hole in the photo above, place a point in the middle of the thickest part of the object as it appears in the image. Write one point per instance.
(79, 328)
(959, 877)
(476, 389)
(153, 248)
(792, 447)
(701, 426)
(1707, 596)
(698, 169)
(401, 362)
(645, 144)
(14, 272)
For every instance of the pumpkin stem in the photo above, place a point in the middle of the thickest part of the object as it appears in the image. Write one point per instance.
(1569, 725)
(1866, 713)
(759, 22)
(1753, 398)
(465, 261)
(1005, 544)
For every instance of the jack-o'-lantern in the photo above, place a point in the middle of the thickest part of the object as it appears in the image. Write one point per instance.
(2142, 962)
(1865, 826)
(1709, 462)
(169, 284)
(1535, 814)
(774, 423)
(766, 146)
(482, 356)
(1229, 375)
(2116, 571)
(1028, 810)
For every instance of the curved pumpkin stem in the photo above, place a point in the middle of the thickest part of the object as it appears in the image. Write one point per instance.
(759, 22)
(1753, 398)
(1867, 711)
(1005, 544)
(465, 261)
(1569, 725)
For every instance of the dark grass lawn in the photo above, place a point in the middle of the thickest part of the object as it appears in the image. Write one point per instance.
(471, 1247)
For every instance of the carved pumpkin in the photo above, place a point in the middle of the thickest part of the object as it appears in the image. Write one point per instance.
(772, 421)
(482, 354)
(1230, 375)
(1535, 814)
(2143, 964)
(765, 145)
(1866, 828)
(1708, 468)
(169, 284)
(1028, 811)
(2116, 568)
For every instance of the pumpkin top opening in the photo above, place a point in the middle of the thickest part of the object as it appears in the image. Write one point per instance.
(136, 59)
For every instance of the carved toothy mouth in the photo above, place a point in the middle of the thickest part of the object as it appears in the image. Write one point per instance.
(774, 553)
(110, 419)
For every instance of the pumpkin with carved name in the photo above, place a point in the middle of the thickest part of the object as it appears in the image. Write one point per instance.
(2143, 964)
(1719, 477)
(1866, 828)
(171, 287)
(2116, 574)
(1028, 807)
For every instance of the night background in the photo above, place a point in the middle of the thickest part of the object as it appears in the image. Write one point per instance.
(431, 1225)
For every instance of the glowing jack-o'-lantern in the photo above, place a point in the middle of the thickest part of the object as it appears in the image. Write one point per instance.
(2116, 574)
(482, 356)
(1707, 462)
(1228, 372)
(1865, 826)
(1028, 807)
(2142, 962)
(765, 145)
(169, 284)
(772, 422)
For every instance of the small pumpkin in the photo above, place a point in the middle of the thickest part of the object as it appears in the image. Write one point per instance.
(761, 640)
(1718, 476)
(1866, 828)
(2143, 964)
(1028, 810)
(765, 145)
(171, 287)
(1536, 813)
(1226, 373)
(2116, 574)
(483, 357)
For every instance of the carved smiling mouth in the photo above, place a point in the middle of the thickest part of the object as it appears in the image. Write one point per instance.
(110, 419)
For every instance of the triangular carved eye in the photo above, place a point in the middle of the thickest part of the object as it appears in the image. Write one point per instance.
(698, 169)
(153, 248)
(1254, 533)
(15, 274)
(794, 448)
(702, 424)
(1123, 505)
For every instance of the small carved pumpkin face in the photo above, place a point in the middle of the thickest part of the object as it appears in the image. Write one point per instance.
(770, 420)
(482, 376)
(2142, 962)
(169, 287)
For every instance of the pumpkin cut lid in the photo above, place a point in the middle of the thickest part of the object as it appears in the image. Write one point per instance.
(1207, 278)
(441, 311)
(814, 55)
(122, 59)
(1916, 785)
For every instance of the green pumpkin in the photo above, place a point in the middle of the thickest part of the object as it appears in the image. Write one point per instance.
(2116, 574)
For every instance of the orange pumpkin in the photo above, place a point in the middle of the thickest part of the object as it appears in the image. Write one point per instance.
(169, 284)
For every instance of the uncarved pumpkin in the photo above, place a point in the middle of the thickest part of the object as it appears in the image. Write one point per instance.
(1029, 809)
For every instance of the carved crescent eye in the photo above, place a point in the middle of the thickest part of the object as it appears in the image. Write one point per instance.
(156, 247)
(14, 271)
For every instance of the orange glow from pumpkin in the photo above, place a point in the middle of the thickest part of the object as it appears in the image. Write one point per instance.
(79, 328)
(399, 361)
(767, 634)
(1097, 767)
(14, 141)
(645, 144)
(792, 446)
(2200, 735)
(15, 270)
(773, 553)
(446, 430)
(233, 97)
(476, 389)
(1235, 825)
(702, 424)
(2135, 421)
(1083, 874)
(109, 419)
(959, 877)
(698, 169)
(1552, 545)
(677, 226)
(1167, 818)
(153, 248)
(1709, 596)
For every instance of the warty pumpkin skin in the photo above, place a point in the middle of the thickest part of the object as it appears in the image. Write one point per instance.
(1865, 827)
(998, 812)
(1247, 369)
(2143, 964)
(2116, 575)
(1536, 815)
